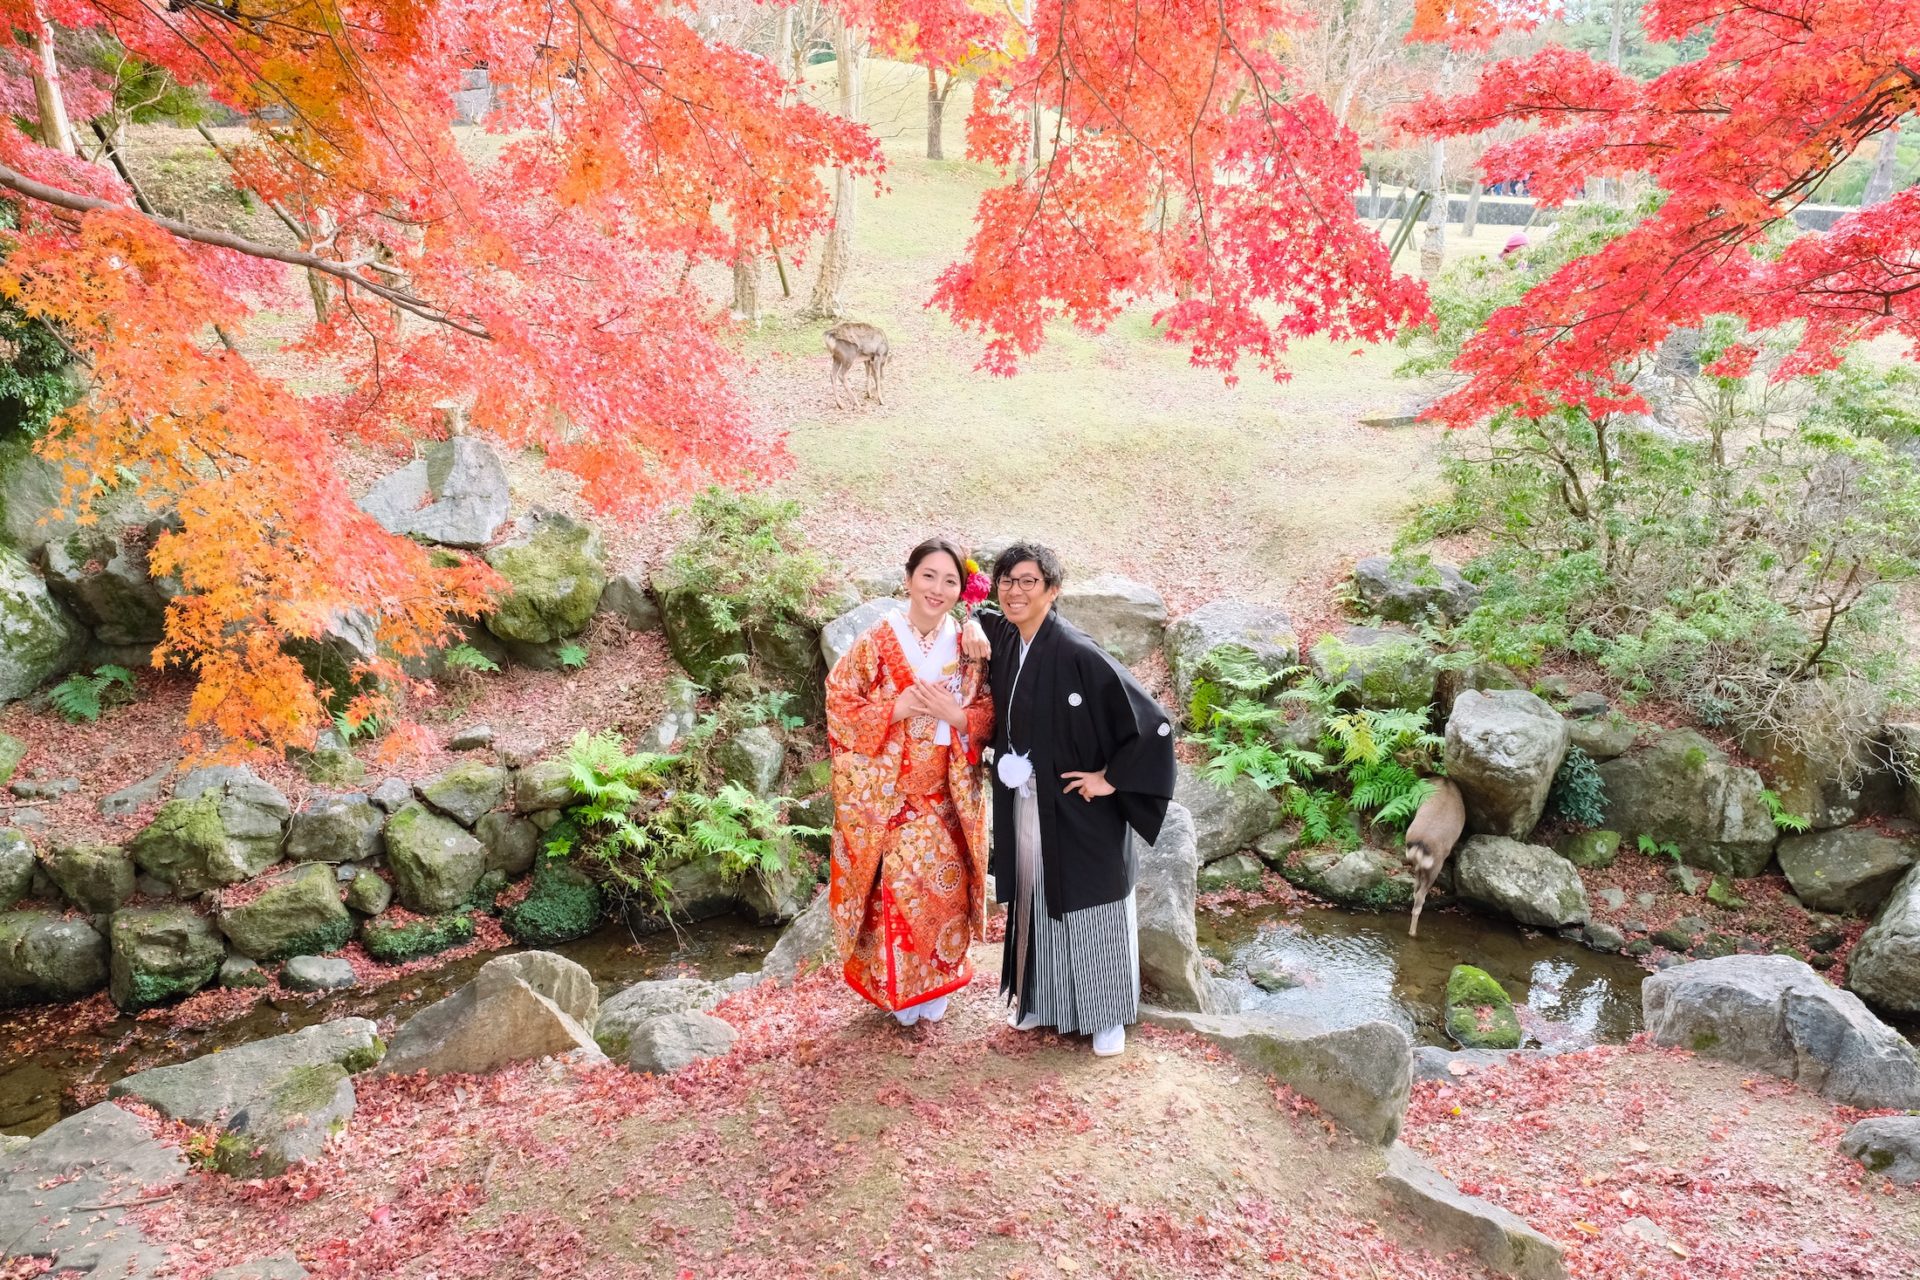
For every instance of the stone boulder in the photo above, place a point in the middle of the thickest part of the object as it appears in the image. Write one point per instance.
(1594, 849)
(641, 1003)
(1479, 1012)
(100, 572)
(807, 941)
(677, 1040)
(838, 636)
(46, 957)
(627, 599)
(1604, 737)
(543, 785)
(336, 828)
(17, 864)
(1850, 871)
(1265, 632)
(213, 1088)
(1126, 618)
(287, 1124)
(1527, 882)
(223, 825)
(555, 571)
(1169, 944)
(1387, 669)
(30, 489)
(1225, 819)
(1363, 879)
(94, 877)
(1235, 871)
(368, 894)
(1884, 966)
(1776, 1014)
(1504, 748)
(753, 758)
(159, 954)
(1831, 769)
(455, 493)
(317, 973)
(435, 863)
(513, 1010)
(1681, 788)
(39, 637)
(1888, 1145)
(66, 1195)
(775, 897)
(296, 912)
(466, 790)
(1448, 1220)
(511, 843)
(1413, 588)
(1361, 1075)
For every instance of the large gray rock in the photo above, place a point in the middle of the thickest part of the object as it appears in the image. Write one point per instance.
(1169, 945)
(100, 572)
(297, 912)
(511, 843)
(1387, 669)
(1776, 1014)
(555, 570)
(368, 894)
(46, 957)
(1605, 737)
(1888, 1145)
(336, 828)
(775, 897)
(466, 790)
(1126, 618)
(159, 954)
(66, 1195)
(317, 973)
(435, 863)
(1503, 748)
(1449, 1220)
(1528, 882)
(213, 1088)
(1264, 631)
(1850, 871)
(753, 758)
(1225, 819)
(641, 1003)
(30, 512)
(542, 786)
(135, 796)
(1361, 1076)
(808, 940)
(94, 877)
(563, 981)
(286, 1124)
(838, 636)
(1681, 788)
(1413, 588)
(39, 637)
(455, 493)
(223, 825)
(1884, 966)
(498, 1018)
(666, 1044)
(16, 866)
(1829, 767)
(627, 599)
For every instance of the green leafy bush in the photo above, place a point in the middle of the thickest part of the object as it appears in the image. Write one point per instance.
(464, 657)
(1579, 793)
(81, 698)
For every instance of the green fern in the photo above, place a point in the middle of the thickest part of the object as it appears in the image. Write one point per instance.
(1781, 818)
(464, 657)
(81, 698)
(572, 656)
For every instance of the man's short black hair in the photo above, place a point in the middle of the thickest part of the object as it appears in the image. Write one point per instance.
(1019, 553)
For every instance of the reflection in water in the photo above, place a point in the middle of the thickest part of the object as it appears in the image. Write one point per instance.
(1352, 967)
(31, 1085)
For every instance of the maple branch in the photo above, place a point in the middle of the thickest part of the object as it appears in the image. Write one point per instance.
(77, 203)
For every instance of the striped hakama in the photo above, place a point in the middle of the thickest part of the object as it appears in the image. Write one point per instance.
(1082, 973)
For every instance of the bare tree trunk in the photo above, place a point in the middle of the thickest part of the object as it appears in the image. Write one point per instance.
(746, 288)
(1472, 220)
(1880, 182)
(786, 57)
(936, 103)
(1433, 245)
(55, 129)
(1613, 39)
(848, 50)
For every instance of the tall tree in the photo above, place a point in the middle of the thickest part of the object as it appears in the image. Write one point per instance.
(1737, 139)
(836, 258)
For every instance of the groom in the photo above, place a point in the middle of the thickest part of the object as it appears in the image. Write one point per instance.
(1082, 756)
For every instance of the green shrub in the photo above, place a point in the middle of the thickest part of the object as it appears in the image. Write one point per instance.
(1579, 794)
(562, 904)
(399, 943)
(81, 698)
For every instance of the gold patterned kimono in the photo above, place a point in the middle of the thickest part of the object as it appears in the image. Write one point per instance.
(907, 885)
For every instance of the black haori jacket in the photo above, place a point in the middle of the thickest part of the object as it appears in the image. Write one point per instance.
(1076, 709)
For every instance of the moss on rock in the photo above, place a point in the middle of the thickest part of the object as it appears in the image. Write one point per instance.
(555, 577)
(392, 943)
(563, 904)
(1479, 1013)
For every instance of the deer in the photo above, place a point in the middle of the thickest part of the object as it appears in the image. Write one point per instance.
(1431, 836)
(855, 343)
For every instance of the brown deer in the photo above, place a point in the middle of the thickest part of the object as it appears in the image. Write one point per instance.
(1430, 840)
(855, 343)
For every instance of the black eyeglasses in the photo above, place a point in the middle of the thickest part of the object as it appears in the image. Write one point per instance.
(1028, 583)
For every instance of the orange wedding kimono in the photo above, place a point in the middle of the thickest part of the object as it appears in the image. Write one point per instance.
(907, 885)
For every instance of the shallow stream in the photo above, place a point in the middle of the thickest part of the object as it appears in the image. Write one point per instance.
(1347, 967)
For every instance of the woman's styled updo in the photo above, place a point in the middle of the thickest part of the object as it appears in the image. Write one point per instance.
(933, 546)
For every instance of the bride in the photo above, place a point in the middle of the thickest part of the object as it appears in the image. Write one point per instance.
(906, 720)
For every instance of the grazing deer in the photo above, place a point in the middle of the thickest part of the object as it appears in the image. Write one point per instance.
(854, 343)
(1430, 840)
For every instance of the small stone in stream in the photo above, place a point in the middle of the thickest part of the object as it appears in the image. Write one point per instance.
(1826, 940)
(1602, 936)
(1669, 961)
(316, 973)
(1269, 975)
(471, 738)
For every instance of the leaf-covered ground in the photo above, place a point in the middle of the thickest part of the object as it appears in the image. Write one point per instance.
(831, 1142)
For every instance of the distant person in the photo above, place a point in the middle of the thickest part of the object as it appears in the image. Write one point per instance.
(1515, 243)
(1083, 765)
(906, 722)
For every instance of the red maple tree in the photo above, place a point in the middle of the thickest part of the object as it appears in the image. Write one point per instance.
(1735, 142)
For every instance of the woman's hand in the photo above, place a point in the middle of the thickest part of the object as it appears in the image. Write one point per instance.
(940, 703)
(974, 643)
(1088, 785)
(911, 702)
